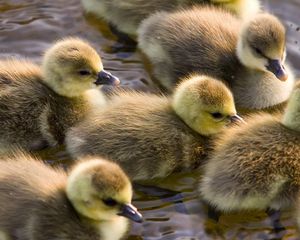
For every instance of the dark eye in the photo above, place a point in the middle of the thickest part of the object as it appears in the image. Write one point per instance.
(217, 115)
(110, 202)
(258, 51)
(84, 72)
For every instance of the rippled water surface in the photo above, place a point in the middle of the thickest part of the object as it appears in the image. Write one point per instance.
(171, 207)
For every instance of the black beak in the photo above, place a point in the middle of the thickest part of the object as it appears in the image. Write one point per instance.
(236, 119)
(278, 69)
(106, 78)
(129, 211)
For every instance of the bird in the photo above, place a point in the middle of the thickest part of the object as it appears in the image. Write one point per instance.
(39, 103)
(256, 165)
(92, 201)
(127, 15)
(152, 136)
(249, 56)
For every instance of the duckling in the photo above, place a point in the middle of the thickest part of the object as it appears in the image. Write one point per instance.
(153, 136)
(127, 15)
(40, 202)
(38, 105)
(257, 165)
(248, 56)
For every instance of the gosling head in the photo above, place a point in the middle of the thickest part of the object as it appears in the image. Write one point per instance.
(262, 45)
(291, 117)
(99, 190)
(206, 105)
(72, 66)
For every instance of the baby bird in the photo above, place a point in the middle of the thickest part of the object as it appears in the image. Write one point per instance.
(38, 202)
(127, 15)
(153, 136)
(37, 105)
(248, 56)
(257, 165)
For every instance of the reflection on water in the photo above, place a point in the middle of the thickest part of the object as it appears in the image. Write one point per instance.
(171, 207)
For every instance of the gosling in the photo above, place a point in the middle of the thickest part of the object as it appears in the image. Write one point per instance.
(248, 56)
(39, 202)
(257, 165)
(153, 136)
(37, 105)
(127, 15)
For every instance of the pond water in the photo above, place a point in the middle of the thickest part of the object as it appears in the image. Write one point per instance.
(171, 207)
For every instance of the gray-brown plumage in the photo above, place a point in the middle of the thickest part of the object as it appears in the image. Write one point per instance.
(37, 105)
(126, 15)
(38, 202)
(152, 136)
(297, 213)
(249, 55)
(257, 165)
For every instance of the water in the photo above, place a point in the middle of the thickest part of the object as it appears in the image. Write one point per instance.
(171, 207)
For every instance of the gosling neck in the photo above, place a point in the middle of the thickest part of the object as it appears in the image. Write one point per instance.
(260, 90)
(66, 88)
(182, 110)
(291, 117)
(244, 54)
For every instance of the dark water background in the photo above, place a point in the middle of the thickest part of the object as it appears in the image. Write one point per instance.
(171, 208)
